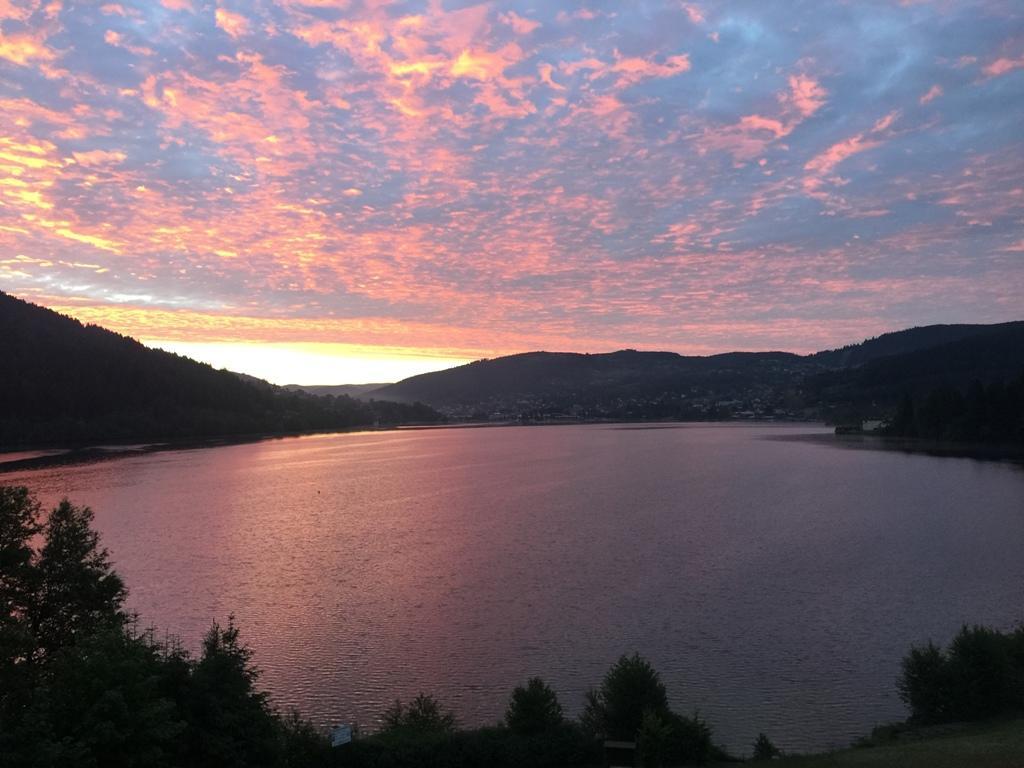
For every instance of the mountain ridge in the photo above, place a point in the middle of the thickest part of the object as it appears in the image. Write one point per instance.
(771, 383)
(68, 382)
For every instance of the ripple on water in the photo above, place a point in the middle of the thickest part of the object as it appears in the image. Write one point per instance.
(774, 584)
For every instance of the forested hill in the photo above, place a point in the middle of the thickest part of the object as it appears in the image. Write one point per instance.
(659, 384)
(63, 382)
(995, 354)
(909, 341)
(865, 379)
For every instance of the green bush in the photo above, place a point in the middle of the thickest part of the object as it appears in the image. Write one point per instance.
(422, 716)
(981, 675)
(764, 749)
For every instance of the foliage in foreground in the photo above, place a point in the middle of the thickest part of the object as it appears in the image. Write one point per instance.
(980, 675)
(81, 686)
(631, 704)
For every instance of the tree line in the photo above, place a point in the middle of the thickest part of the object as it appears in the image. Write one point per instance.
(982, 413)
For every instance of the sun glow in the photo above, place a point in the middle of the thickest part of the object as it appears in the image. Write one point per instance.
(312, 363)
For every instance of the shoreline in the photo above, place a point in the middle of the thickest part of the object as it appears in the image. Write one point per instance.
(50, 456)
(43, 457)
(1002, 452)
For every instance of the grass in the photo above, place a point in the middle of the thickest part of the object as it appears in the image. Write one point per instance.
(987, 745)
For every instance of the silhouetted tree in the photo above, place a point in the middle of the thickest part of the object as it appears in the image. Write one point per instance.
(79, 685)
(229, 722)
(629, 689)
(533, 709)
(79, 592)
(19, 523)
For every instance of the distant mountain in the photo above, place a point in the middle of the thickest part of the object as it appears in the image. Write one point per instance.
(631, 384)
(620, 384)
(64, 382)
(358, 391)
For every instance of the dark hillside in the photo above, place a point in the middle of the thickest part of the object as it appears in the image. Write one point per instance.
(64, 382)
(620, 384)
(994, 355)
(855, 380)
(904, 342)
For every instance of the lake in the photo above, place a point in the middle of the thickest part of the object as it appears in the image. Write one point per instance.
(775, 584)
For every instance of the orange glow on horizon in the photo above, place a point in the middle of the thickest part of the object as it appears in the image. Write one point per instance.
(311, 363)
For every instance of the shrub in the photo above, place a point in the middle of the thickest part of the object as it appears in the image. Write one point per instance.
(690, 741)
(764, 749)
(422, 715)
(925, 685)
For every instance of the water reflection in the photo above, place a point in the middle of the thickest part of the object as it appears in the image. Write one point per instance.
(774, 584)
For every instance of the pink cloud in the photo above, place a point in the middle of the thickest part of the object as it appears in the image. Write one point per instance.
(933, 93)
(234, 24)
(99, 157)
(520, 25)
(753, 134)
(26, 47)
(822, 166)
(1003, 65)
(633, 69)
(806, 94)
(546, 70)
(695, 14)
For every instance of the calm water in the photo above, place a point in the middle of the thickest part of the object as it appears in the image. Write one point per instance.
(774, 584)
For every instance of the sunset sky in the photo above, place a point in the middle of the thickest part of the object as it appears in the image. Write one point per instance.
(330, 191)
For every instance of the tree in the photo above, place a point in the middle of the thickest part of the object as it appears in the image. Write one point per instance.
(101, 702)
(230, 723)
(19, 523)
(79, 685)
(79, 592)
(533, 709)
(925, 684)
(629, 689)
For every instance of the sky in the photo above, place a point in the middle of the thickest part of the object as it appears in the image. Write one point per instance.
(329, 191)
